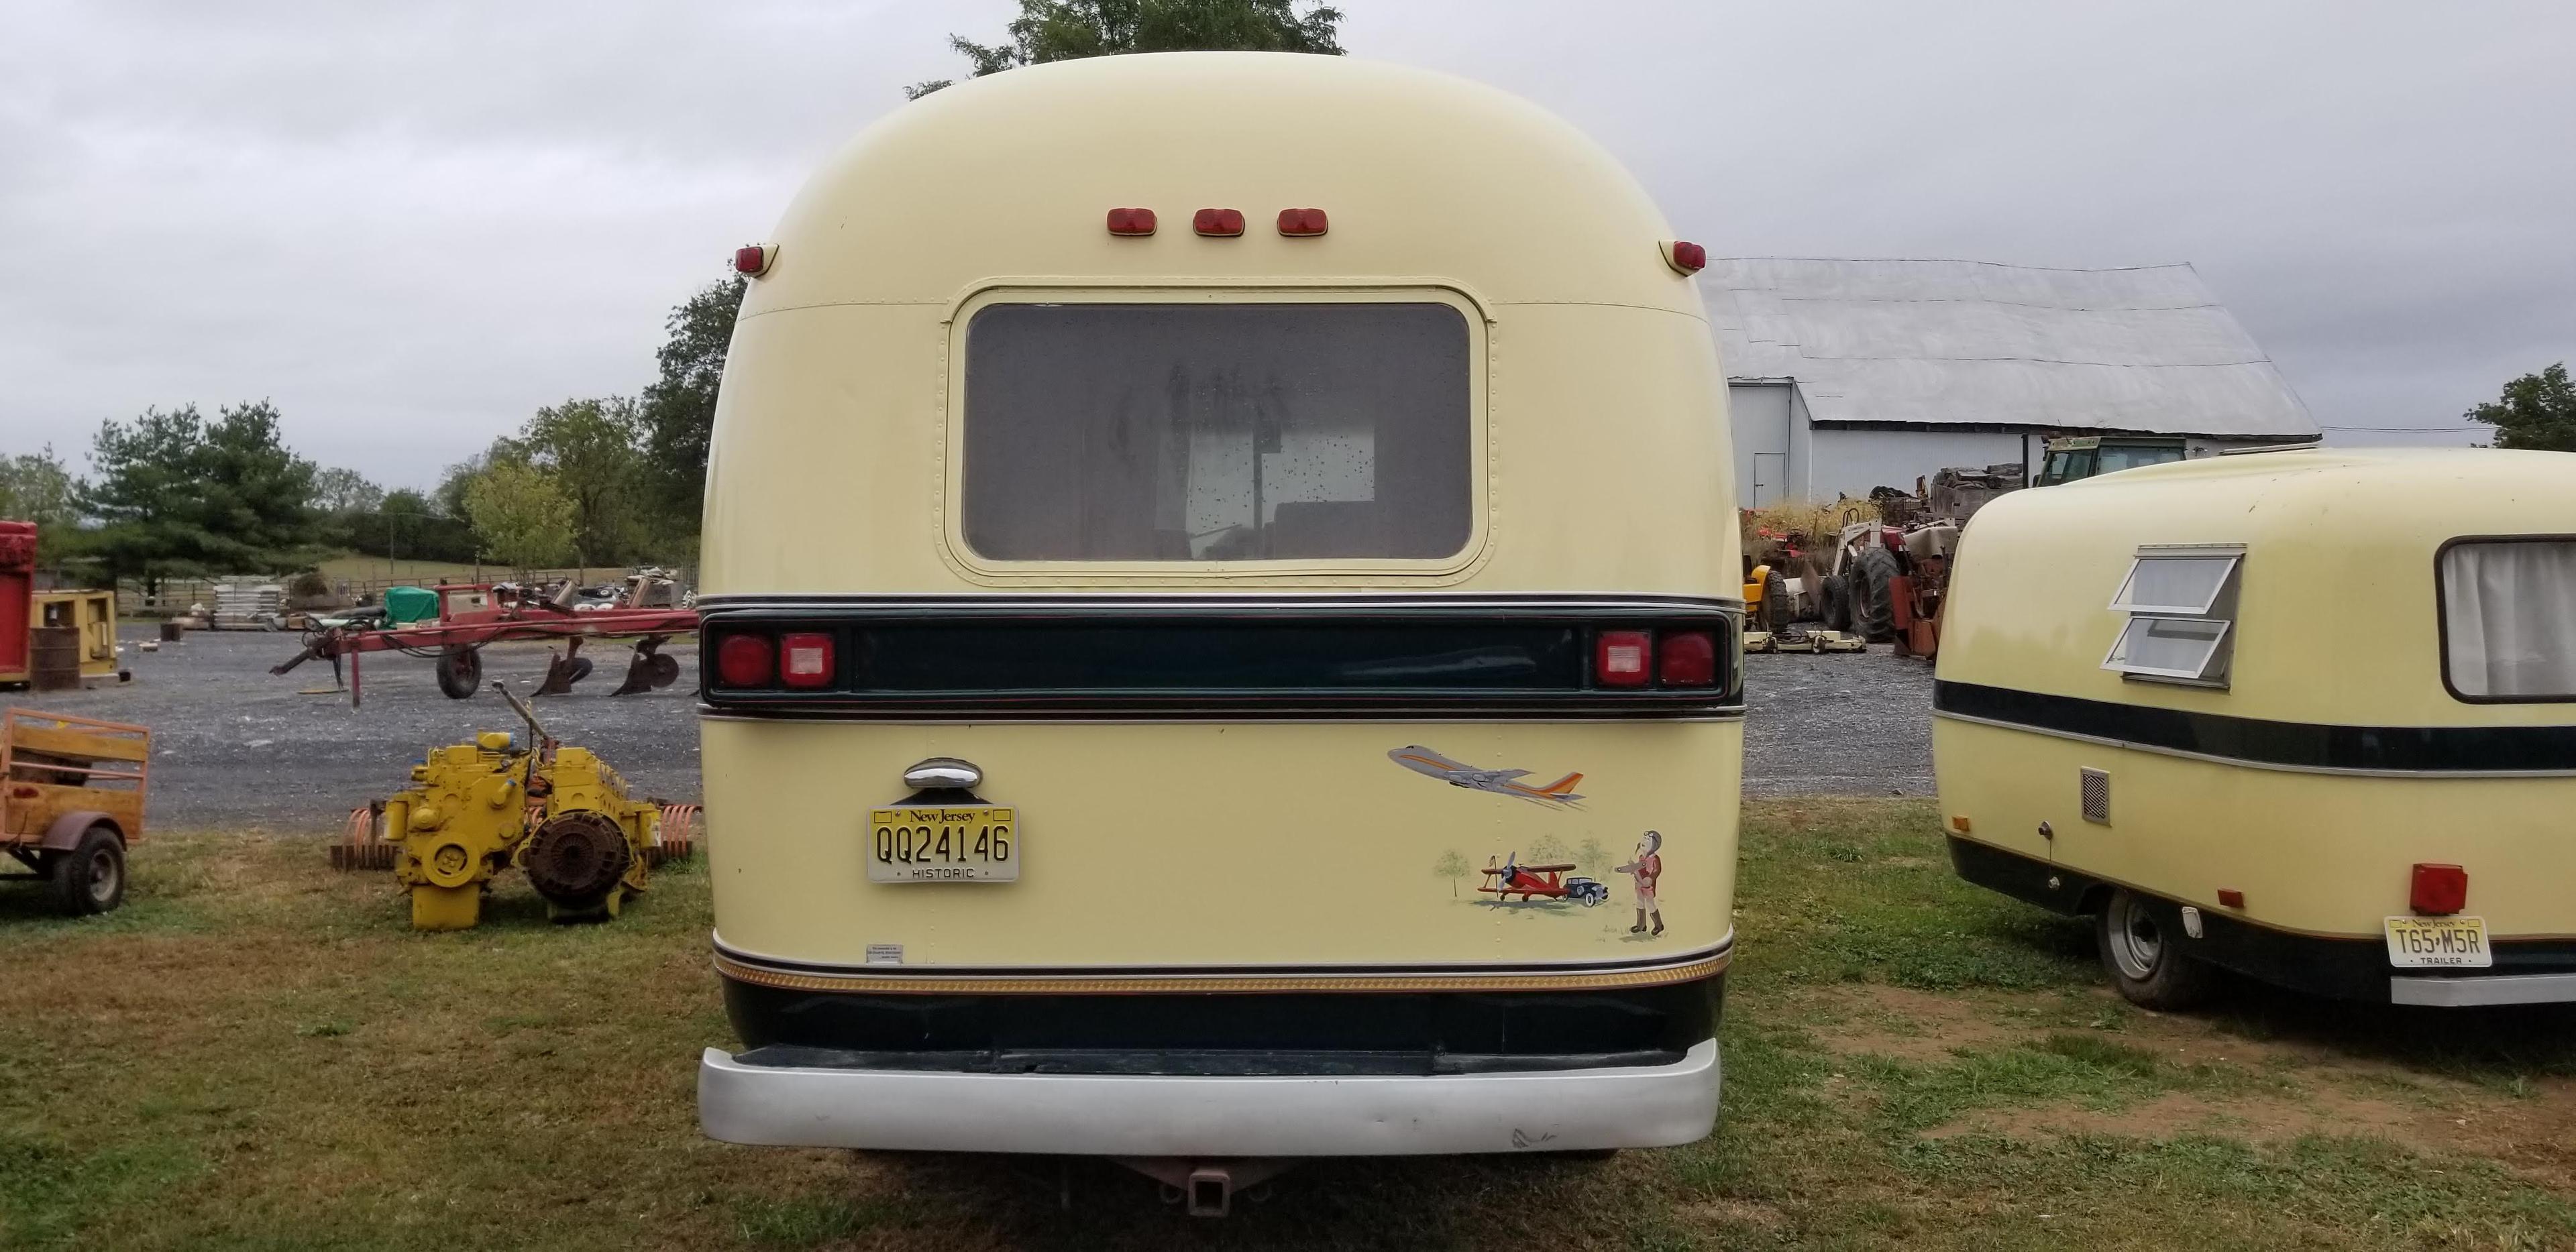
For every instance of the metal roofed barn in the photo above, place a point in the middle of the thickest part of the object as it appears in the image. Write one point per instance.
(1844, 375)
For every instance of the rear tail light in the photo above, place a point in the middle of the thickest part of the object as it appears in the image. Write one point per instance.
(1684, 257)
(1218, 222)
(1686, 658)
(2438, 889)
(805, 661)
(1301, 223)
(753, 259)
(1623, 658)
(1131, 221)
(744, 661)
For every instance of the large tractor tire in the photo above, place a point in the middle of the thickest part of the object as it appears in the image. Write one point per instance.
(1775, 603)
(460, 672)
(1873, 605)
(90, 879)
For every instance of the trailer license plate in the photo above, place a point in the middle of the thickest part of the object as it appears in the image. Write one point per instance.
(2439, 942)
(963, 843)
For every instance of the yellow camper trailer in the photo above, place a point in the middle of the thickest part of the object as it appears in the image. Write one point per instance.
(2309, 715)
(1221, 631)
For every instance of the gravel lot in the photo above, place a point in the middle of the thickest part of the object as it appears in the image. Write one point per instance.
(239, 749)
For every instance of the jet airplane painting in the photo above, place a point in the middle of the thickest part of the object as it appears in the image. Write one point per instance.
(1502, 782)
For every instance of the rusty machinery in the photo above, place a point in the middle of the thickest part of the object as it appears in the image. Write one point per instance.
(472, 615)
(558, 813)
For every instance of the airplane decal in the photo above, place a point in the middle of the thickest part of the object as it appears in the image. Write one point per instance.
(1501, 782)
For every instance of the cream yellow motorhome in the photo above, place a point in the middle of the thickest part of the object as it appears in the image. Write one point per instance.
(2310, 715)
(1221, 631)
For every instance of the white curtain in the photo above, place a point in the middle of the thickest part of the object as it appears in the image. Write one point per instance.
(2510, 612)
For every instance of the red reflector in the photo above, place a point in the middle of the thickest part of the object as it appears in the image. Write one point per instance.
(752, 259)
(1131, 221)
(1218, 222)
(1687, 658)
(2439, 889)
(2229, 897)
(1301, 223)
(805, 661)
(1688, 258)
(743, 661)
(1621, 658)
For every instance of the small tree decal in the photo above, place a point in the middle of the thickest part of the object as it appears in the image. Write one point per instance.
(1451, 866)
(1550, 850)
(1592, 856)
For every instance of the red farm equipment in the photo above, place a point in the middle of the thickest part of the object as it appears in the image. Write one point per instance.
(472, 615)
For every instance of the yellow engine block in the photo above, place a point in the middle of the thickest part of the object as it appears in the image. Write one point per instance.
(558, 813)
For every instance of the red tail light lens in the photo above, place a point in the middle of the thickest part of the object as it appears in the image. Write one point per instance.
(1131, 221)
(743, 661)
(752, 259)
(2439, 889)
(1301, 223)
(1623, 658)
(805, 661)
(1218, 222)
(1685, 258)
(1687, 658)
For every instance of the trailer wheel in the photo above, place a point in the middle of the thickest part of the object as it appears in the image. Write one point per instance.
(1873, 609)
(460, 672)
(1833, 603)
(1775, 602)
(2144, 958)
(90, 878)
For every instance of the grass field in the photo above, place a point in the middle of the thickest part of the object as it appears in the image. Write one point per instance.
(257, 1053)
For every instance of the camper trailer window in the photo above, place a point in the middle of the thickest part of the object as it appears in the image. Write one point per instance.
(2509, 619)
(2171, 647)
(2181, 584)
(1217, 432)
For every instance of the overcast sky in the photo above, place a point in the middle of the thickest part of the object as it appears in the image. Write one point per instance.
(410, 225)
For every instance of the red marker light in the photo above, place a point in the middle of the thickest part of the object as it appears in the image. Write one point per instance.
(743, 661)
(1131, 222)
(1218, 223)
(1687, 658)
(2229, 897)
(2438, 890)
(1621, 658)
(1685, 258)
(1301, 223)
(805, 660)
(753, 259)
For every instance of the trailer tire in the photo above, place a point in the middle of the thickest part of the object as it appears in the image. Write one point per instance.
(1833, 603)
(2144, 956)
(460, 672)
(1775, 603)
(1873, 607)
(90, 879)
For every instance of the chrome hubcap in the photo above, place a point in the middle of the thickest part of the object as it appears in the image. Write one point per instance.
(2136, 940)
(102, 878)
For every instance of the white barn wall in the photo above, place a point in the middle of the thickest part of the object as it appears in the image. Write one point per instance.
(1849, 462)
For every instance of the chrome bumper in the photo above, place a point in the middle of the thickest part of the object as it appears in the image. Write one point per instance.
(1125, 1115)
(2464, 991)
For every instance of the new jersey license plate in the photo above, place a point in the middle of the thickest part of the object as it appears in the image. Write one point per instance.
(953, 843)
(2439, 942)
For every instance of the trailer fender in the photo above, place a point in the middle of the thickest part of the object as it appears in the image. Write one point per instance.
(65, 834)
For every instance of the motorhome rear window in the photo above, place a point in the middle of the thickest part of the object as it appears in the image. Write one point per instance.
(1216, 432)
(2509, 619)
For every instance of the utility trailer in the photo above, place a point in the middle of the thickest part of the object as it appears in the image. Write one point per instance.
(72, 802)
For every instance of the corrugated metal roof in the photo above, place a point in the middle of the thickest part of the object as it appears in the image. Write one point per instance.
(1957, 342)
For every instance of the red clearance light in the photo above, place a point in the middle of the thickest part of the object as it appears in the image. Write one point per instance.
(1301, 223)
(1218, 223)
(1687, 658)
(2439, 890)
(743, 661)
(805, 661)
(754, 259)
(1622, 658)
(1685, 258)
(1131, 222)
(2230, 897)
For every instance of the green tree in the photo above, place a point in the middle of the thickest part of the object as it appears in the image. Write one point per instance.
(340, 492)
(590, 448)
(1451, 866)
(1590, 855)
(521, 516)
(34, 487)
(679, 408)
(1550, 850)
(1066, 30)
(2536, 411)
(179, 494)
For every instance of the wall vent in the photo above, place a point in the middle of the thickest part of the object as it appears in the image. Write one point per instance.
(2097, 795)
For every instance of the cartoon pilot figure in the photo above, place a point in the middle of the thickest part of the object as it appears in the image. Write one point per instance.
(1648, 866)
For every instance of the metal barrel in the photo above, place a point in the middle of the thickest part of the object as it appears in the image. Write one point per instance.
(54, 658)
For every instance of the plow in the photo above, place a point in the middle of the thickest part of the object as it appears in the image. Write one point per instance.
(472, 616)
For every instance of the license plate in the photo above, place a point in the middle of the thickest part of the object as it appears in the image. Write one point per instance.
(2439, 942)
(964, 843)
